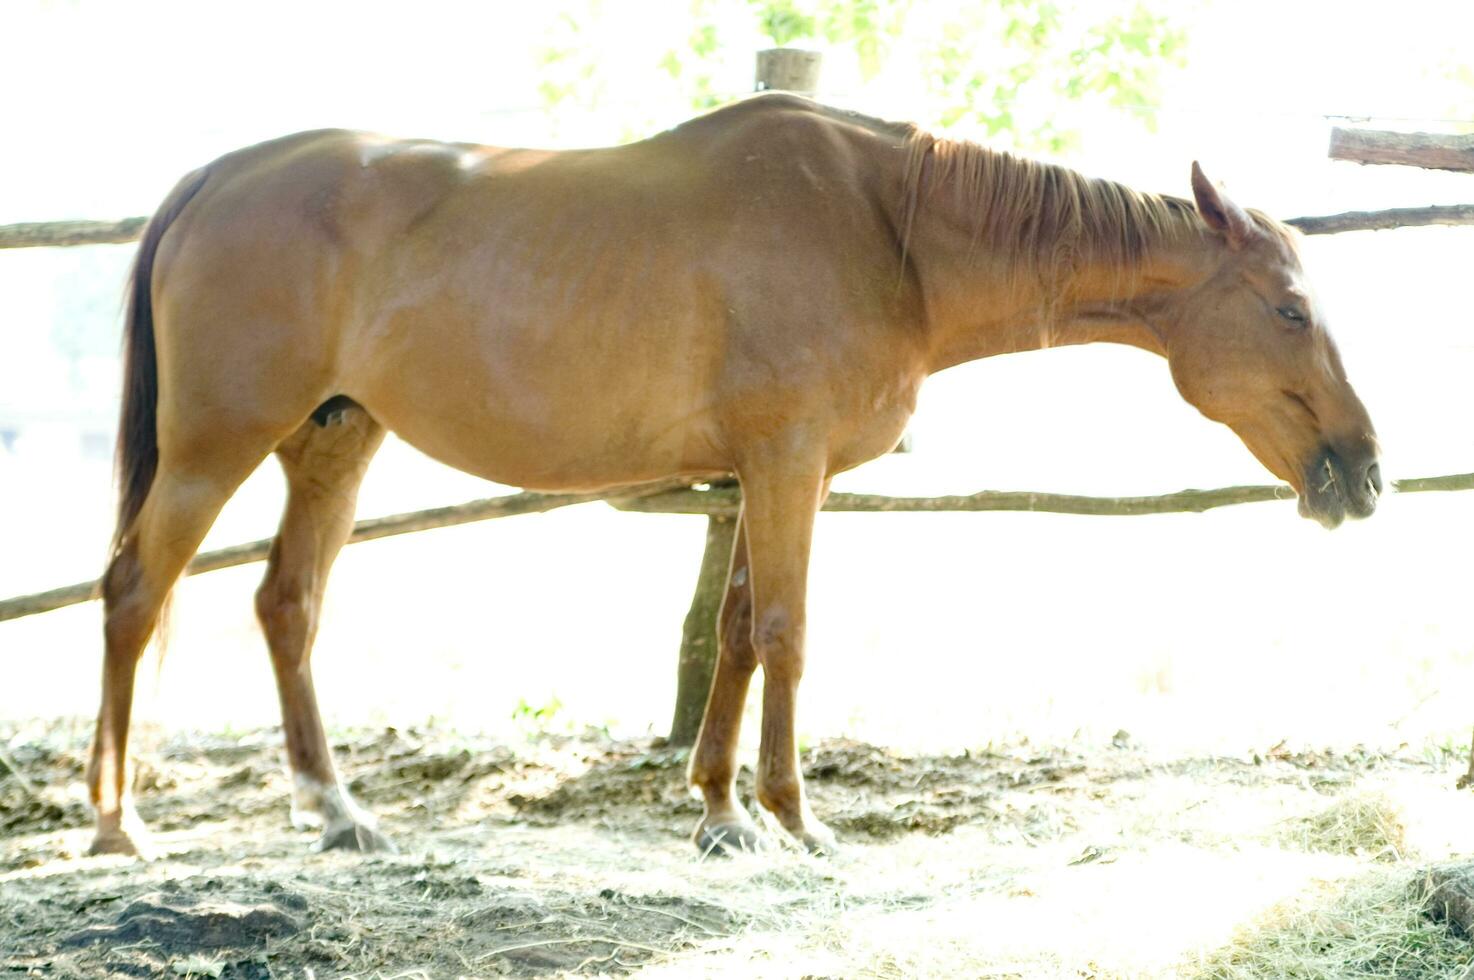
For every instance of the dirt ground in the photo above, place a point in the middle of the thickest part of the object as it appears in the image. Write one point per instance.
(569, 856)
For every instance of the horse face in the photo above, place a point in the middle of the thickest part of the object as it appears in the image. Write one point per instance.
(1250, 348)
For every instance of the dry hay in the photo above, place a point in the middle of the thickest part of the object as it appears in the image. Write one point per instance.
(1375, 924)
(1364, 825)
(1370, 920)
(568, 856)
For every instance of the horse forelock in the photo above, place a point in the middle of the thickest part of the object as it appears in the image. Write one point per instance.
(1287, 236)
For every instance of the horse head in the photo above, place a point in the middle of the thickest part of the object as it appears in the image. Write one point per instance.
(1249, 347)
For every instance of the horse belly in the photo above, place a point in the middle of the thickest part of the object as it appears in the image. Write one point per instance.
(555, 436)
(595, 377)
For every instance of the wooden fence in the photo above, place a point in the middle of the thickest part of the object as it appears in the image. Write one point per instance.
(719, 502)
(65, 233)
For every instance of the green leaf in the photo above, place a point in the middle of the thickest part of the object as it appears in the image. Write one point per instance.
(783, 22)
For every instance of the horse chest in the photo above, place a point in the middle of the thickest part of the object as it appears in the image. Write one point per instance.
(873, 433)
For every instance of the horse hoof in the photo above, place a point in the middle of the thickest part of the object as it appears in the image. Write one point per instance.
(729, 840)
(354, 837)
(121, 842)
(818, 844)
(304, 819)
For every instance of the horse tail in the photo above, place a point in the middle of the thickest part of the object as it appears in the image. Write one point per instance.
(138, 437)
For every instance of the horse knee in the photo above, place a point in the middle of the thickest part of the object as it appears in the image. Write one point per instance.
(777, 641)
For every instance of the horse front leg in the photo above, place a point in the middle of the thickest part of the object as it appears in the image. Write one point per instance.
(780, 534)
(779, 505)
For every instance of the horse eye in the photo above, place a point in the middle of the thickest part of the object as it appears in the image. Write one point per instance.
(1291, 314)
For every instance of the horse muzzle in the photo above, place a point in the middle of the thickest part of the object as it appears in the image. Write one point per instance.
(1339, 485)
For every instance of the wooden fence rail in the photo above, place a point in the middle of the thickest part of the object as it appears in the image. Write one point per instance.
(1431, 151)
(722, 500)
(49, 234)
(44, 234)
(1437, 214)
(485, 509)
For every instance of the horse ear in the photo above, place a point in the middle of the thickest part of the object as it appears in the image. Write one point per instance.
(1221, 214)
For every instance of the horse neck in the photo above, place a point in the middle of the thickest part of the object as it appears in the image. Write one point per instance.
(980, 303)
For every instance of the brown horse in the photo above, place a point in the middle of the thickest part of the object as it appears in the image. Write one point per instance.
(760, 291)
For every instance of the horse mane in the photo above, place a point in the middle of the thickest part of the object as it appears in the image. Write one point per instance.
(1047, 219)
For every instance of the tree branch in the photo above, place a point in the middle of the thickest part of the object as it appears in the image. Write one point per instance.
(1438, 214)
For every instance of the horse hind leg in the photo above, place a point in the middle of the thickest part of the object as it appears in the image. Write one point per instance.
(725, 827)
(324, 462)
(187, 493)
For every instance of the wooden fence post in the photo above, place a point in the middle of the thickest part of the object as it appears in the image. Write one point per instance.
(787, 70)
(699, 633)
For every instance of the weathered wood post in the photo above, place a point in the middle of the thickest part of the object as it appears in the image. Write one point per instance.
(1431, 151)
(785, 70)
(698, 658)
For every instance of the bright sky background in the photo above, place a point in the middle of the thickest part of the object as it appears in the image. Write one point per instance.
(121, 99)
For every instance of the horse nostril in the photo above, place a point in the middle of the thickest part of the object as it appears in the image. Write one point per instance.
(1374, 479)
